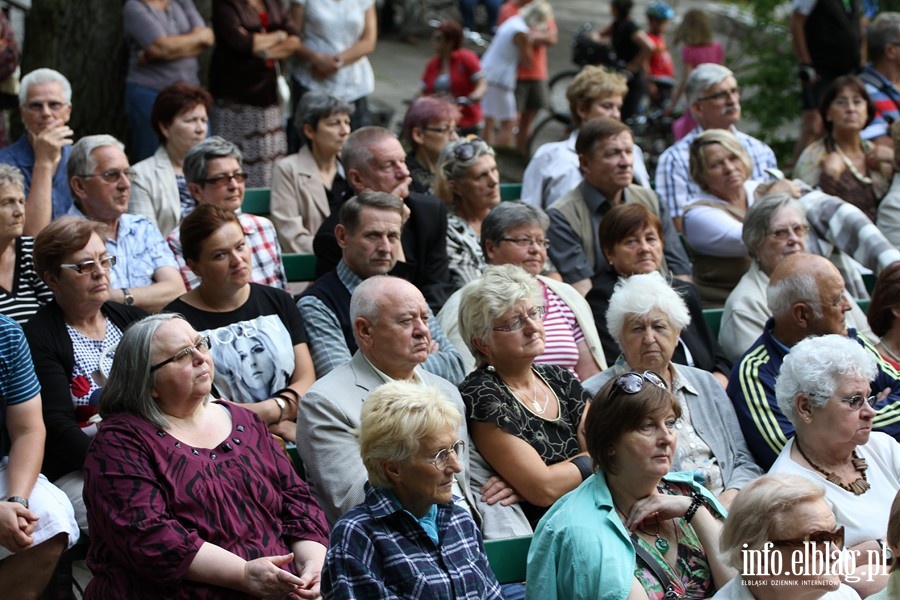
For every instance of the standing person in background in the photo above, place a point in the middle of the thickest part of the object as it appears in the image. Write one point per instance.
(337, 38)
(251, 35)
(512, 46)
(659, 66)
(10, 56)
(633, 48)
(828, 40)
(882, 75)
(164, 38)
(531, 81)
(491, 7)
(699, 47)
(456, 71)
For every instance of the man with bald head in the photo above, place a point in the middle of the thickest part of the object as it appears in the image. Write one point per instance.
(806, 297)
(390, 321)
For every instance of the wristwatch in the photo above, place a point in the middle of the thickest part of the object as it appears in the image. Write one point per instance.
(886, 551)
(129, 299)
(282, 405)
(19, 499)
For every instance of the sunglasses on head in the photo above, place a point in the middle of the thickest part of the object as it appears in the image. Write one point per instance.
(835, 538)
(632, 383)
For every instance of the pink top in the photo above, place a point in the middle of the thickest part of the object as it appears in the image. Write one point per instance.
(563, 334)
(695, 56)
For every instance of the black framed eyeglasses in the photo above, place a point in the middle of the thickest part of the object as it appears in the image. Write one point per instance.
(535, 314)
(784, 233)
(525, 242)
(722, 96)
(113, 175)
(441, 130)
(632, 383)
(224, 178)
(89, 266)
(835, 538)
(201, 345)
(442, 458)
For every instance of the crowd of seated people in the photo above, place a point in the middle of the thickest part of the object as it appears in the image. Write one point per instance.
(460, 369)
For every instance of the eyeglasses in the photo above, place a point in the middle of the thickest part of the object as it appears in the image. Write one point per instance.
(113, 175)
(632, 383)
(844, 102)
(536, 314)
(37, 107)
(835, 538)
(784, 233)
(854, 402)
(442, 458)
(202, 345)
(224, 178)
(89, 266)
(722, 96)
(525, 242)
(442, 130)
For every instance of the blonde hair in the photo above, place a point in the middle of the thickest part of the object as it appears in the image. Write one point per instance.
(694, 29)
(394, 419)
(591, 84)
(724, 138)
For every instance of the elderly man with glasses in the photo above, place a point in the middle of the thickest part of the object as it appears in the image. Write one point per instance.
(714, 99)
(144, 272)
(45, 104)
(214, 173)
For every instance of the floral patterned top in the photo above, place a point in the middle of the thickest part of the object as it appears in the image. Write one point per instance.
(488, 400)
(694, 576)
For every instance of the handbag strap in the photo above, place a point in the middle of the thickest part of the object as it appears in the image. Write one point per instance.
(671, 593)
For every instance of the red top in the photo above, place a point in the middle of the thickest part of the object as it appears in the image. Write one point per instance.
(464, 67)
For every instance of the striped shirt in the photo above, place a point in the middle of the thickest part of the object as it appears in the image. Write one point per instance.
(19, 382)
(562, 333)
(29, 292)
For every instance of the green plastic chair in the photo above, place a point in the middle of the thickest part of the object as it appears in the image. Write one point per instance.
(299, 267)
(508, 558)
(256, 201)
(510, 191)
(713, 318)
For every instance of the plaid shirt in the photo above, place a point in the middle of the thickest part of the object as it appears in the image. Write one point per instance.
(264, 248)
(674, 185)
(379, 550)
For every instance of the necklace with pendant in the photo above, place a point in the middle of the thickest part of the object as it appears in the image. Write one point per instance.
(661, 543)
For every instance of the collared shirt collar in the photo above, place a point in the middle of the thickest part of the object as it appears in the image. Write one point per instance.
(416, 377)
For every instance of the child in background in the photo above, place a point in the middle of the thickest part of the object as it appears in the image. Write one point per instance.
(659, 66)
(699, 47)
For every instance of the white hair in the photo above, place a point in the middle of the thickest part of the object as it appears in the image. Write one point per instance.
(638, 296)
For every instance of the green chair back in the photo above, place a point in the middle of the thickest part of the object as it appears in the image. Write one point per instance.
(864, 305)
(299, 267)
(713, 317)
(256, 201)
(508, 558)
(510, 191)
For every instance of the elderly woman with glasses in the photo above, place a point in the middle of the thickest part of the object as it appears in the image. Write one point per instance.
(633, 529)
(410, 538)
(429, 125)
(524, 417)
(469, 182)
(646, 317)
(189, 498)
(514, 233)
(824, 390)
(307, 184)
(259, 343)
(72, 340)
(772, 520)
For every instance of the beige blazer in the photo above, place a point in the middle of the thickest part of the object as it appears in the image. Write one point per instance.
(299, 203)
(154, 192)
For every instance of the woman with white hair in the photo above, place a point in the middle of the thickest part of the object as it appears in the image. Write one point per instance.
(468, 181)
(524, 417)
(823, 389)
(781, 513)
(646, 317)
(408, 538)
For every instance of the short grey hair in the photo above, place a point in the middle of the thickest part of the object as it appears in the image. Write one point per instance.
(357, 150)
(815, 367)
(81, 159)
(759, 512)
(43, 76)
(784, 293)
(510, 215)
(316, 105)
(394, 419)
(349, 215)
(758, 220)
(196, 161)
(704, 77)
(129, 388)
(484, 300)
(366, 299)
(638, 296)
(450, 168)
(10, 175)
(883, 30)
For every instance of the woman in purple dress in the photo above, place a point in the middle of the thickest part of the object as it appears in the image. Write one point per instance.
(189, 498)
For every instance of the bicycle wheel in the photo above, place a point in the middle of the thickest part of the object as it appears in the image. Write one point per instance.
(548, 129)
(559, 104)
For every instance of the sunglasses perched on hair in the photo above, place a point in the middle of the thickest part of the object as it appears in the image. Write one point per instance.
(632, 383)
(467, 150)
(835, 538)
(442, 458)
